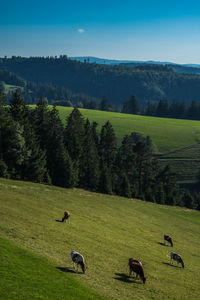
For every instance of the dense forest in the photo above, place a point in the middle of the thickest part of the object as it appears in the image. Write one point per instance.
(163, 109)
(31, 91)
(64, 97)
(35, 146)
(116, 83)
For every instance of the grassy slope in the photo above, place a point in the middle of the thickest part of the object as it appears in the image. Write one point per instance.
(177, 138)
(107, 230)
(166, 134)
(27, 276)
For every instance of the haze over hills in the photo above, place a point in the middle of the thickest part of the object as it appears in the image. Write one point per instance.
(107, 61)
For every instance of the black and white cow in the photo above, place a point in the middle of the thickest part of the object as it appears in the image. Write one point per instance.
(77, 260)
(177, 258)
(168, 239)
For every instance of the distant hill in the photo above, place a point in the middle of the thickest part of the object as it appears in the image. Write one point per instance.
(116, 82)
(180, 68)
(106, 61)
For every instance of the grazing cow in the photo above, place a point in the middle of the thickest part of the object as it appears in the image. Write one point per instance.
(66, 216)
(177, 258)
(168, 239)
(131, 259)
(136, 266)
(78, 259)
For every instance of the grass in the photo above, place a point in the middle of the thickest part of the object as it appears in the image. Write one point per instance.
(11, 88)
(176, 140)
(28, 276)
(166, 134)
(107, 230)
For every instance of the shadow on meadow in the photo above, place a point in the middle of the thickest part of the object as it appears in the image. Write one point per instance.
(125, 278)
(162, 244)
(59, 221)
(168, 264)
(65, 269)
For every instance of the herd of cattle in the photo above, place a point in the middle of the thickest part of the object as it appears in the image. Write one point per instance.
(134, 265)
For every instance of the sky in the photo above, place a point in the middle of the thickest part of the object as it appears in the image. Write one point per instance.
(167, 31)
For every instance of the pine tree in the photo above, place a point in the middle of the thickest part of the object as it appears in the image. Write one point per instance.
(63, 174)
(74, 134)
(89, 160)
(18, 108)
(188, 200)
(131, 106)
(3, 169)
(105, 181)
(123, 186)
(168, 179)
(107, 145)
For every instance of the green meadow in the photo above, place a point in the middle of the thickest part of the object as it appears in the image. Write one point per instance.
(107, 230)
(176, 141)
(25, 275)
(166, 134)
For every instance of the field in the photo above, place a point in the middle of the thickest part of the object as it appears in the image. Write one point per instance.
(167, 134)
(107, 230)
(176, 142)
(28, 276)
(9, 88)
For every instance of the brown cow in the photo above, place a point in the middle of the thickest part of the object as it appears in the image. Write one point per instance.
(136, 266)
(66, 216)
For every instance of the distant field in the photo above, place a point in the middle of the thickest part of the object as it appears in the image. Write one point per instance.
(166, 134)
(11, 88)
(107, 230)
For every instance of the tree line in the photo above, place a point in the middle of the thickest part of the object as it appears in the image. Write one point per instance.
(36, 146)
(164, 109)
(115, 82)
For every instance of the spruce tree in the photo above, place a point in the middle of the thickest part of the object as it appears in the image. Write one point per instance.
(105, 181)
(89, 161)
(74, 134)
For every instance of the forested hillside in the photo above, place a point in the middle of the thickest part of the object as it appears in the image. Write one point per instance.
(32, 91)
(117, 83)
(36, 146)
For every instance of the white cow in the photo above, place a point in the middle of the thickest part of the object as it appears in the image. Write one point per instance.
(177, 258)
(77, 260)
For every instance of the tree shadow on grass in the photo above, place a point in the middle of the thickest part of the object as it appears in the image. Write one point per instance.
(125, 278)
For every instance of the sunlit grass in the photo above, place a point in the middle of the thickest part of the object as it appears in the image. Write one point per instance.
(166, 134)
(27, 276)
(107, 230)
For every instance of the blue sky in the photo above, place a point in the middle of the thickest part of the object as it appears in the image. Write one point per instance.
(133, 30)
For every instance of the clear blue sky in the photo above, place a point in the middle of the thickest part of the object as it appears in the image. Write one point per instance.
(133, 29)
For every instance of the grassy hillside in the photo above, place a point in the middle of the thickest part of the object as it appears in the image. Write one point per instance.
(107, 230)
(27, 276)
(167, 134)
